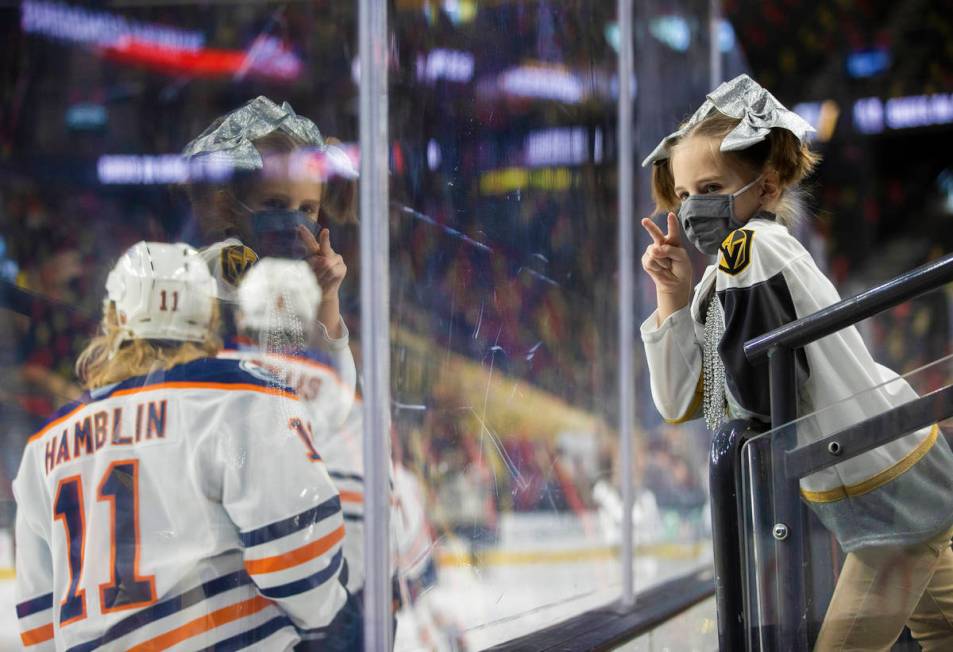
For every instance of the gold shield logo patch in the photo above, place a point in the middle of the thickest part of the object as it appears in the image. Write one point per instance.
(735, 253)
(236, 260)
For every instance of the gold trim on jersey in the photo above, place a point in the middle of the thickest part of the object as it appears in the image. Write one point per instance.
(879, 480)
(694, 406)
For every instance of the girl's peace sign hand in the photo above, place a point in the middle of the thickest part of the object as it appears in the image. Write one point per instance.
(330, 270)
(667, 262)
(328, 265)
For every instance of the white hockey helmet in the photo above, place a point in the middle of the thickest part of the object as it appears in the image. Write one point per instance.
(277, 291)
(162, 292)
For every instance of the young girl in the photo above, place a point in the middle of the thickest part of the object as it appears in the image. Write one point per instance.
(176, 503)
(729, 177)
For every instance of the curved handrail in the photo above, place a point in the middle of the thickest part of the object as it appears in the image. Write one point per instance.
(845, 313)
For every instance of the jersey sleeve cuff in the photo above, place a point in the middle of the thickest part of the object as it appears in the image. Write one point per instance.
(679, 320)
(328, 343)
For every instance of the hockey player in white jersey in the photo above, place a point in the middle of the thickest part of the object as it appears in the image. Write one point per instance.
(177, 503)
(278, 300)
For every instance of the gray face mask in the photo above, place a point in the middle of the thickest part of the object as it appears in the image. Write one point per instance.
(708, 219)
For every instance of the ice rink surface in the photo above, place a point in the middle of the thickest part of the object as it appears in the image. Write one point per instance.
(496, 604)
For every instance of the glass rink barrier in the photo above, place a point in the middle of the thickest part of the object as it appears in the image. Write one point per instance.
(314, 317)
(846, 516)
(180, 407)
(318, 323)
(505, 353)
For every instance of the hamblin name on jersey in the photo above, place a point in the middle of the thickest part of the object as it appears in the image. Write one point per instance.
(88, 434)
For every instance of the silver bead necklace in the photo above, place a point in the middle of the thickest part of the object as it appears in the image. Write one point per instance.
(714, 407)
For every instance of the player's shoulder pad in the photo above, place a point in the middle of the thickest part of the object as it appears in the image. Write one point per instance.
(204, 373)
(238, 346)
(61, 412)
(214, 373)
(755, 253)
(239, 343)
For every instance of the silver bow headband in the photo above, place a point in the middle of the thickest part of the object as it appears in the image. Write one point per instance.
(745, 99)
(232, 139)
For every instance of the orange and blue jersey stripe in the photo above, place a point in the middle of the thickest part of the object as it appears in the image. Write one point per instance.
(226, 612)
(292, 524)
(256, 635)
(308, 583)
(352, 500)
(166, 608)
(273, 536)
(36, 626)
(295, 557)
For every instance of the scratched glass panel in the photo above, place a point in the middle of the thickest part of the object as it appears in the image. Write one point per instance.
(672, 524)
(207, 490)
(503, 294)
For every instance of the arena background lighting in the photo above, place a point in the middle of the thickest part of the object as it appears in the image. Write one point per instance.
(167, 50)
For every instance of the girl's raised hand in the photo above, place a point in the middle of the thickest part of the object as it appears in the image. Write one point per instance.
(667, 262)
(330, 270)
(328, 265)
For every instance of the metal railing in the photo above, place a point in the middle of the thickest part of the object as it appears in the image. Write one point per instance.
(724, 481)
(789, 465)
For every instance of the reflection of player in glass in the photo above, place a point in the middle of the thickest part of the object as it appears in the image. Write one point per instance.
(277, 303)
(425, 620)
(729, 176)
(282, 175)
(175, 503)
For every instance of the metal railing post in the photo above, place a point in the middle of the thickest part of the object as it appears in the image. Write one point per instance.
(788, 527)
(375, 323)
(724, 480)
(626, 296)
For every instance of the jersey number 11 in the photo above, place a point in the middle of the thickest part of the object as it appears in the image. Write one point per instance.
(125, 589)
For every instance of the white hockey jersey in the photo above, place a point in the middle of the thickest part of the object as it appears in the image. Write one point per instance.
(331, 399)
(182, 509)
(896, 494)
(411, 528)
(335, 412)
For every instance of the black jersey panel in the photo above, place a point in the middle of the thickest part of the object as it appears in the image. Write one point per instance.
(749, 312)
